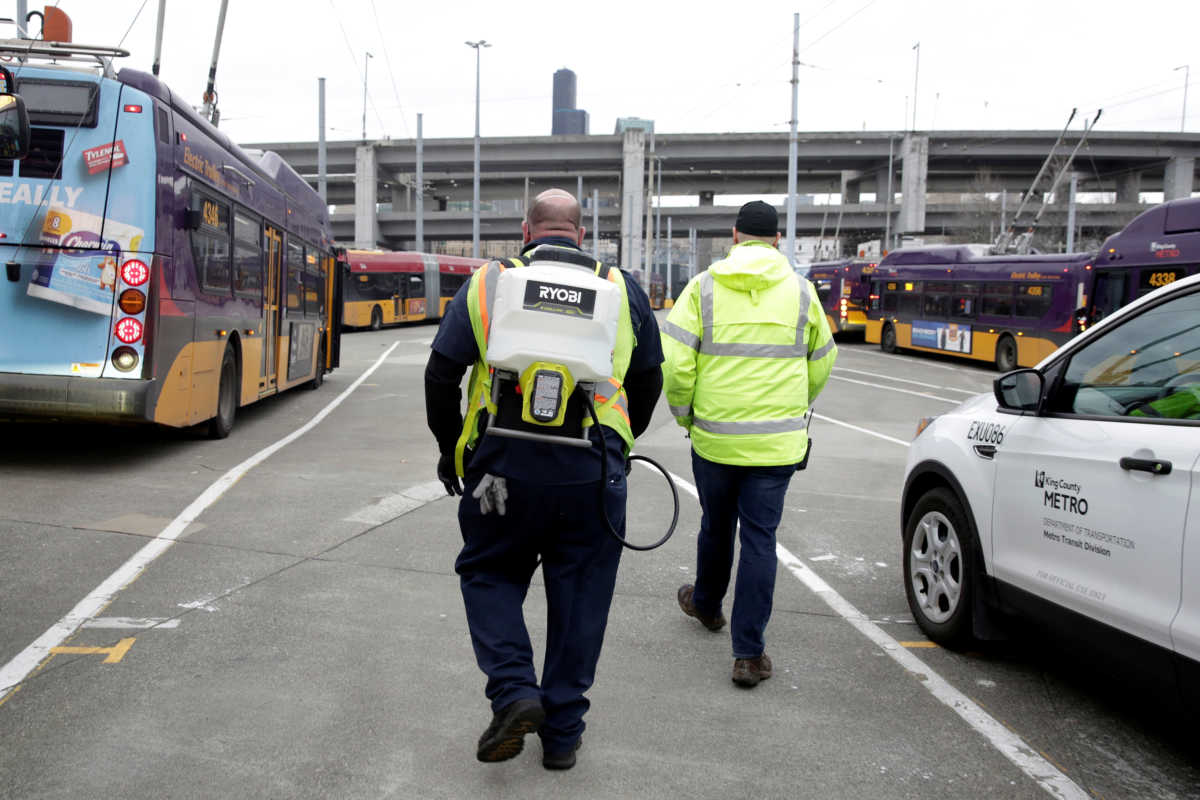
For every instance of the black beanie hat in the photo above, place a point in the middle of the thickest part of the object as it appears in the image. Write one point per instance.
(757, 218)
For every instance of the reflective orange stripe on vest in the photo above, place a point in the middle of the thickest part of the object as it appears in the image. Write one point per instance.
(620, 402)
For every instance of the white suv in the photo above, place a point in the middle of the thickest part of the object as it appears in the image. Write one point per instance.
(1066, 494)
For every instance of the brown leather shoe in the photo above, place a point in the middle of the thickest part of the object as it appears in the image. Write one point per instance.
(749, 671)
(685, 602)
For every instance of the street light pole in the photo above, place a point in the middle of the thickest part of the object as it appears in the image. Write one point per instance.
(1183, 117)
(916, 75)
(366, 63)
(793, 144)
(475, 182)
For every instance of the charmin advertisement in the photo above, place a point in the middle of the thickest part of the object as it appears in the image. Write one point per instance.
(949, 336)
(83, 275)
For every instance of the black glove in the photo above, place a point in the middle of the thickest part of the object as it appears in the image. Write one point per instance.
(447, 475)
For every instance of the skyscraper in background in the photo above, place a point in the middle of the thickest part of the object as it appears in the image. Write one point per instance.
(567, 118)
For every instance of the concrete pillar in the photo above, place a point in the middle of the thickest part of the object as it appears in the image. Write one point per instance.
(851, 186)
(914, 180)
(881, 186)
(633, 149)
(704, 256)
(1177, 178)
(1129, 186)
(366, 189)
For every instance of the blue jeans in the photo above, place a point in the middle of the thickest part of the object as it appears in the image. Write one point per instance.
(754, 497)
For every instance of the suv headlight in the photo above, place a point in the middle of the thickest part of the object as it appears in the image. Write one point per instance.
(922, 424)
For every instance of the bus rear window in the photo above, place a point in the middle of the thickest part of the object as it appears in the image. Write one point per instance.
(66, 103)
(824, 289)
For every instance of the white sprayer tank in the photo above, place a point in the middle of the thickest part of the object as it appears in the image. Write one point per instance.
(557, 314)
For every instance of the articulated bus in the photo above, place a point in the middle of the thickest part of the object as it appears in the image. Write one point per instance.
(1015, 310)
(155, 272)
(383, 288)
(844, 288)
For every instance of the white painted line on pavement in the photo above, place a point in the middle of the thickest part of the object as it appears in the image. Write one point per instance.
(906, 380)
(398, 504)
(897, 389)
(894, 356)
(876, 434)
(1039, 769)
(31, 658)
(130, 623)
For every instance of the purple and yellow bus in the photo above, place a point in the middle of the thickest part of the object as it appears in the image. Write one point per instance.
(1010, 310)
(1015, 310)
(1160, 246)
(155, 272)
(844, 287)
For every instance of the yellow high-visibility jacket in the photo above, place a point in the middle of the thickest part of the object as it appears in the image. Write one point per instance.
(748, 348)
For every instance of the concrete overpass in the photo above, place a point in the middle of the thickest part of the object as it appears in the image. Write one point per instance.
(937, 180)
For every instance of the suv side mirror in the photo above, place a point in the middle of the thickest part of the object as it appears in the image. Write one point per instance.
(1020, 390)
(14, 127)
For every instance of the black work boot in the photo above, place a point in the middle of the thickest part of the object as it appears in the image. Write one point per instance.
(563, 760)
(505, 737)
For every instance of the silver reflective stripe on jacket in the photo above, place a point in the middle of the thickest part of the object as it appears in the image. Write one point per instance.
(747, 349)
(681, 335)
(680, 411)
(787, 425)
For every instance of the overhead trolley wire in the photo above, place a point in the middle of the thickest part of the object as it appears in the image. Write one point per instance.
(391, 74)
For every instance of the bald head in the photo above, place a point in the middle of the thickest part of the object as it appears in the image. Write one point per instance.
(554, 212)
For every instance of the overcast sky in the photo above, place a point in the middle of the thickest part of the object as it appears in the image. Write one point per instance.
(693, 68)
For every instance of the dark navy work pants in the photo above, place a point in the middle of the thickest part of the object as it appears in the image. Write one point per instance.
(754, 497)
(562, 525)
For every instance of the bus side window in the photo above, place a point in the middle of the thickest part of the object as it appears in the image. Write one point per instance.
(247, 255)
(937, 299)
(295, 277)
(997, 300)
(910, 297)
(1033, 300)
(309, 280)
(964, 303)
(210, 243)
(414, 286)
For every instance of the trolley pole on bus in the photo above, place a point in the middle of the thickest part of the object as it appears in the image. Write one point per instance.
(475, 183)
(793, 142)
(322, 162)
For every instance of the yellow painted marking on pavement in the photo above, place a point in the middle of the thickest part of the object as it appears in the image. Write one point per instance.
(113, 654)
(917, 644)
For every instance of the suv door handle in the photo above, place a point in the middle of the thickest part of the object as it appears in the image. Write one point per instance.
(1152, 465)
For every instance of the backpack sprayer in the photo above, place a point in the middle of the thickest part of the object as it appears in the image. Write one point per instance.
(552, 334)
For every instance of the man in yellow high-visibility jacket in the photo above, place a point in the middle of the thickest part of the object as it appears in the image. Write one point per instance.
(747, 350)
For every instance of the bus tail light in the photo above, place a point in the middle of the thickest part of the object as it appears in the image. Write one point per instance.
(125, 358)
(129, 330)
(132, 301)
(135, 272)
(843, 308)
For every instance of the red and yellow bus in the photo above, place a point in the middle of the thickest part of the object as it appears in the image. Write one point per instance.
(384, 287)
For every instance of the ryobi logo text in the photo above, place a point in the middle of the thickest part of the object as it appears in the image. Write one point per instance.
(557, 299)
(1060, 494)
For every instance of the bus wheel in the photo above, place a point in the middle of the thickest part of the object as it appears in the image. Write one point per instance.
(220, 425)
(887, 341)
(319, 376)
(1006, 354)
(376, 318)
